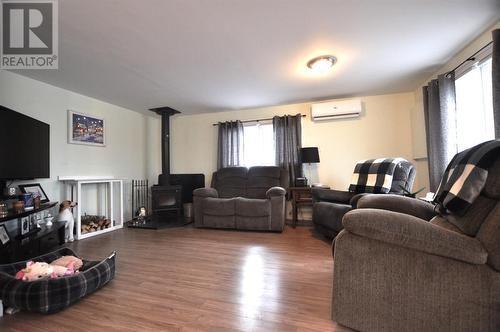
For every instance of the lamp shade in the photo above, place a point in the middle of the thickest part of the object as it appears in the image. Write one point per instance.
(309, 155)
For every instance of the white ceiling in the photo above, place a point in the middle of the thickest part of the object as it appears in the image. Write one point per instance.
(212, 55)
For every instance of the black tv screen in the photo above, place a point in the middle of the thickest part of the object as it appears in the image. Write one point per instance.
(24, 146)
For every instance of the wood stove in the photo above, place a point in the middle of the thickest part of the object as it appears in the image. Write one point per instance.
(173, 189)
(166, 199)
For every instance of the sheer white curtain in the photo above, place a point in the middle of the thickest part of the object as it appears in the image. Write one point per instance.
(259, 147)
(475, 121)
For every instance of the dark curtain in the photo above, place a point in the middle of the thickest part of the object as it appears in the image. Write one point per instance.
(495, 62)
(288, 140)
(230, 144)
(439, 110)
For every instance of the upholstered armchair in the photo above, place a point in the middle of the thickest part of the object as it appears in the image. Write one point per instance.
(330, 206)
(398, 266)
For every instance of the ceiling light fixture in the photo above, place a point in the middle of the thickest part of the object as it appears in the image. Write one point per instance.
(322, 64)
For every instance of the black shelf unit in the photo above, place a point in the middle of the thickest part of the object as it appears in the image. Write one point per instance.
(34, 243)
(6, 198)
(14, 215)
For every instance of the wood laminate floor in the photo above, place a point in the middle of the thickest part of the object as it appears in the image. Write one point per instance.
(187, 279)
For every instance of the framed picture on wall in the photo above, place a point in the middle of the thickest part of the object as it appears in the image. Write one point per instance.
(35, 189)
(86, 129)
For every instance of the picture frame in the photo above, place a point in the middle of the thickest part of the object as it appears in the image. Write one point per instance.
(4, 235)
(24, 226)
(86, 129)
(35, 189)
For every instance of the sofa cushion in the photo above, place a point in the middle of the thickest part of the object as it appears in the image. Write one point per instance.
(260, 179)
(266, 171)
(492, 187)
(404, 175)
(218, 212)
(231, 172)
(219, 221)
(231, 182)
(253, 223)
(219, 206)
(398, 203)
(489, 235)
(253, 214)
(331, 195)
(247, 207)
(330, 214)
(414, 233)
(229, 192)
(474, 217)
(442, 222)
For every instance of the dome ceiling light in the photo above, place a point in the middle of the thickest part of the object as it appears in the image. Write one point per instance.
(322, 64)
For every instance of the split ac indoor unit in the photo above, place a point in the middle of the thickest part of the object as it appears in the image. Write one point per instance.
(336, 110)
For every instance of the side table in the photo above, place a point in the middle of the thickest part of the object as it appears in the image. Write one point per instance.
(301, 196)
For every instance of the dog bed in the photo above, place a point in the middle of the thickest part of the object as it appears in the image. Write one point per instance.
(52, 295)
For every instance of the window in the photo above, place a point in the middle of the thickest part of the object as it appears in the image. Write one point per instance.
(474, 105)
(258, 145)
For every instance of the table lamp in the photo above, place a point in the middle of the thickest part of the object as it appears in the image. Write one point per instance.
(309, 156)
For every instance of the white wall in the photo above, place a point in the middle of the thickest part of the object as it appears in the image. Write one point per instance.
(124, 155)
(383, 130)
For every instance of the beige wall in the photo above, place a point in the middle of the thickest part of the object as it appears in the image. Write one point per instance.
(417, 114)
(391, 125)
(383, 130)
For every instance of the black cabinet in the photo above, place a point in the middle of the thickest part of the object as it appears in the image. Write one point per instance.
(50, 241)
(37, 242)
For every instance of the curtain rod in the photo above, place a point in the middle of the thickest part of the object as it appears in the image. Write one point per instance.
(256, 120)
(471, 58)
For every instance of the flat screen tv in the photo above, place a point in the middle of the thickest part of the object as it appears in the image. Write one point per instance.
(24, 147)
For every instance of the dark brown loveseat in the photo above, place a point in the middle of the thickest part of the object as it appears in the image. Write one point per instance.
(241, 198)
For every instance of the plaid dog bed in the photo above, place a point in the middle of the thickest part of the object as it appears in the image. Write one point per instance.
(465, 177)
(52, 295)
(374, 175)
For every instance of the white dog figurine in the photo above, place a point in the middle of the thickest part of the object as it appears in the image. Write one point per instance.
(66, 215)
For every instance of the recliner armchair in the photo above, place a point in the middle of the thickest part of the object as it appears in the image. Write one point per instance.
(241, 198)
(330, 206)
(400, 267)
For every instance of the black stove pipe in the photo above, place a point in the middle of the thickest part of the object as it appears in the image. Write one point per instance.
(166, 113)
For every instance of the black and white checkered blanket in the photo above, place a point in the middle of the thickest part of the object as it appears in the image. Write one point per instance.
(48, 296)
(374, 175)
(465, 177)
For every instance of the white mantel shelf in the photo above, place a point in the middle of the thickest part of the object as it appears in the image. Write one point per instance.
(73, 186)
(84, 178)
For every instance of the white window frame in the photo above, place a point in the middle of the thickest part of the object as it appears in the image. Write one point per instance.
(479, 59)
(249, 161)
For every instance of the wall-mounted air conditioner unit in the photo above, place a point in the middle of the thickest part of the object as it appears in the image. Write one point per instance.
(336, 110)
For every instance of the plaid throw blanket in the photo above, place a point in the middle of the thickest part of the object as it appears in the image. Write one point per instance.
(465, 177)
(374, 175)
